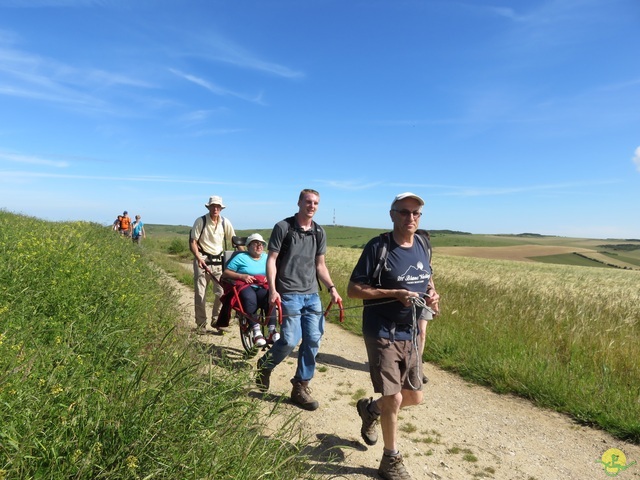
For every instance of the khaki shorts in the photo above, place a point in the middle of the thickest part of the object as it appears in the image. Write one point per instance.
(393, 366)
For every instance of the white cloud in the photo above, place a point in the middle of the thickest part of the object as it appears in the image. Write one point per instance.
(31, 160)
(636, 158)
(215, 89)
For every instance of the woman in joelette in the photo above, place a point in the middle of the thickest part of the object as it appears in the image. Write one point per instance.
(248, 272)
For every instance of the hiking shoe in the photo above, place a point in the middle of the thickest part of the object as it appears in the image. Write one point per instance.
(259, 341)
(301, 396)
(201, 329)
(273, 337)
(392, 468)
(369, 421)
(263, 376)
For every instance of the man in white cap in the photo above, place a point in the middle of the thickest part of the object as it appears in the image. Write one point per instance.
(394, 298)
(208, 240)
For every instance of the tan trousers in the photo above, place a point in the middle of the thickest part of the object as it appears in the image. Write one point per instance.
(201, 282)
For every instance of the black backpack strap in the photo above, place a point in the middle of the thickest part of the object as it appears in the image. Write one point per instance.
(423, 236)
(383, 253)
(286, 241)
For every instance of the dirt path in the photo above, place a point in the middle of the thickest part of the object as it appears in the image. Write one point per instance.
(461, 431)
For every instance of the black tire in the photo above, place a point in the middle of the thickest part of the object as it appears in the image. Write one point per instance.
(246, 336)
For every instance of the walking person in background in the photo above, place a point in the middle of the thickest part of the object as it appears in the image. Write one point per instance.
(125, 224)
(295, 266)
(137, 230)
(208, 242)
(393, 303)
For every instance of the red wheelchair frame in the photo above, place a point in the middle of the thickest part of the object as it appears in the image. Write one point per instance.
(235, 306)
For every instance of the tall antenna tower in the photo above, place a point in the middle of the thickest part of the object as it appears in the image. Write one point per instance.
(334, 217)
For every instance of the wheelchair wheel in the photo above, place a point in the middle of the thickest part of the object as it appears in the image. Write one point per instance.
(246, 336)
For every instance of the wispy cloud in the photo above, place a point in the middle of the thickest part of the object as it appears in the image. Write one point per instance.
(195, 117)
(216, 132)
(553, 22)
(224, 50)
(352, 185)
(60, 3)
(21, 175)
(215, 89)
(472, 191)
(636, 158)
(30, 76)
(31, 160)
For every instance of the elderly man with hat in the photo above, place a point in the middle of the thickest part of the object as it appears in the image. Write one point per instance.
(210, 236)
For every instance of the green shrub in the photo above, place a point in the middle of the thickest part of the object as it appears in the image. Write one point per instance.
(178, 246)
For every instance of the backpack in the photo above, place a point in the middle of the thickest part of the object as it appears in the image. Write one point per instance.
(125, 223)
(383, 252)
(218, 258)
(286, 241)
(137, 229)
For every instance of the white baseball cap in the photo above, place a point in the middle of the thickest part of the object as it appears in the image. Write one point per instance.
(404, 195)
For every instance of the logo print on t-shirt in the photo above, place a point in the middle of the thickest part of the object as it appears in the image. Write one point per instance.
(415, 274)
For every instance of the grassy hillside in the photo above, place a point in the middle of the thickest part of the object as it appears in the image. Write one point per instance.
(95, 380)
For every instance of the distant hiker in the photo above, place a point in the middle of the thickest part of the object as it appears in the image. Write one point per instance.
(137, 230)
(124, 222)
(295, 266)
(208, 242)
(393, 303)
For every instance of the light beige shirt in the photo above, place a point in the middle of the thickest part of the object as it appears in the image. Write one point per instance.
(213, 237)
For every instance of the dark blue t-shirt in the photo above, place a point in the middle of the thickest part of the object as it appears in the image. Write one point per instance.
(406, 268)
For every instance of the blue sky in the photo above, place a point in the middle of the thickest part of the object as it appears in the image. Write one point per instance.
(507, 117)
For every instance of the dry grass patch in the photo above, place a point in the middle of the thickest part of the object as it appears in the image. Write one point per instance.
(521, 253)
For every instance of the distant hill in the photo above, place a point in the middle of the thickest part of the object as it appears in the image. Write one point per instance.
(522, 246)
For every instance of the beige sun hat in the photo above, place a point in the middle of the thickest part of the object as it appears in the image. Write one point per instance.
(215, 200)
(256, 236)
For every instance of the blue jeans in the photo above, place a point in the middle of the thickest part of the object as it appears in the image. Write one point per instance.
(302, 319)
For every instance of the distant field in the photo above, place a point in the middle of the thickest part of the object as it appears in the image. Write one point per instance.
(611, 253)
(524, 253)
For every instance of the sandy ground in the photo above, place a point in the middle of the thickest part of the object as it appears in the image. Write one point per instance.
(461, 431)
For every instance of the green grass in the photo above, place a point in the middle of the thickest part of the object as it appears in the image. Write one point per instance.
(95, 380)
(567, 338)
(624, 257)
(569, 259)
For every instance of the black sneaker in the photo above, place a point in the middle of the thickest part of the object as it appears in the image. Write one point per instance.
(369, 421)
(263, 376)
